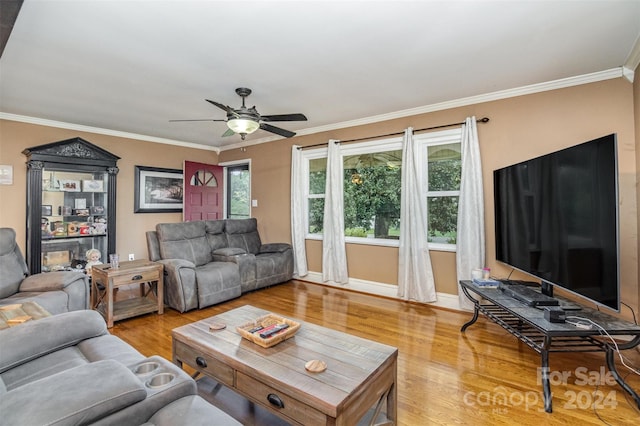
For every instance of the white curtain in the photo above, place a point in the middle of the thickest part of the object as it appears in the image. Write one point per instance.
(415, 274)
(298, 231)
(470, 252)
(334, 255)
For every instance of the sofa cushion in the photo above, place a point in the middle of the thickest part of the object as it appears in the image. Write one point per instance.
(217, 282)
(54, 333)
(192, 411)
(77, 396)
(184, 240)
(215, 234)
(243, 233)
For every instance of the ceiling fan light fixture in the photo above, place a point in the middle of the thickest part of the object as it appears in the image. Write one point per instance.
(243, 125)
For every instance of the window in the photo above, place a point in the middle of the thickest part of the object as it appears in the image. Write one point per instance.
(444, 166)
(238, 203)
(372, 182)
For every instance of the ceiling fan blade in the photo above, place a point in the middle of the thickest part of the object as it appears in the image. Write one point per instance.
(276, 130)
(199, 119)
(226, 108)
(229, 132)
(284, 117)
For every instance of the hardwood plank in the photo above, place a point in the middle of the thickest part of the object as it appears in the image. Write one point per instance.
(444, 376)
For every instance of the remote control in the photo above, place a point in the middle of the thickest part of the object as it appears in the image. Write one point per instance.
(275, 330)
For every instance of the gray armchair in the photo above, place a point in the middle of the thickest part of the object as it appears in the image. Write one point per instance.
(56, 292)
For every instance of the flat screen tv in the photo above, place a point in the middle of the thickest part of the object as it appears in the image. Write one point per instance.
(556, 218)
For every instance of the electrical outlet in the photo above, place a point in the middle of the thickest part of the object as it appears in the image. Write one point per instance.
(131, 256)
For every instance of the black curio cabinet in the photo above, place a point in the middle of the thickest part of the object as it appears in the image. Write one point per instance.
(71, 204)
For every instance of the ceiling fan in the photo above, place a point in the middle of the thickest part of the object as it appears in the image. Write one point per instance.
(245, 120)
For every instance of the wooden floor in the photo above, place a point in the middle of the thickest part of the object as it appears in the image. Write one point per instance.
(482, 377)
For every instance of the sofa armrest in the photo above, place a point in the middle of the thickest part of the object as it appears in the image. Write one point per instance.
(275, 247)
(50, 281)
(34, 339)
(179, 284)
(176, 264)
(229, 251)
(89, 392)
(228, 254)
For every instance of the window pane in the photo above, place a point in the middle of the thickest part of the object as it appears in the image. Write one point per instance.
(372, 194)
(238, 192)
(316, 214)
(445, 166)
(443, 215)
(317, 175)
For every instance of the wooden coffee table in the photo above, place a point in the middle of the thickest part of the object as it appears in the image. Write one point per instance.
(360, 373)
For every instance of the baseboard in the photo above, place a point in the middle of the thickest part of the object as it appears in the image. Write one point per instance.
(443, 300)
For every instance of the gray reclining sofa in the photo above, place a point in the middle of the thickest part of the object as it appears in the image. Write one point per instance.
(67, 369)
(208, 262)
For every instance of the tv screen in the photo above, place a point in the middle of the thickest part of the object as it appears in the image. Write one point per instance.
(556, 218)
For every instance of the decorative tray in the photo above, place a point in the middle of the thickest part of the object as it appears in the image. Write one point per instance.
(268, 330)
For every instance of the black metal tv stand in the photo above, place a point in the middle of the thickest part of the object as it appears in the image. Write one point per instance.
(529, 325)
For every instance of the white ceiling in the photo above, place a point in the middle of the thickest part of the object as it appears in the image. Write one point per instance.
(131, 66)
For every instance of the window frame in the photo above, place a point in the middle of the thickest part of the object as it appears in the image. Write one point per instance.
(421, 141)
(230, 165)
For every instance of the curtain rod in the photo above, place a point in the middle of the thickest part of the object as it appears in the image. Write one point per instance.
(482, 120)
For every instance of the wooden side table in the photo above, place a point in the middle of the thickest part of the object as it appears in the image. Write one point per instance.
(104, 280)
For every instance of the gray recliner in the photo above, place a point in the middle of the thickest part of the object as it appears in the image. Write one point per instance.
(67, 369)
(56, 292)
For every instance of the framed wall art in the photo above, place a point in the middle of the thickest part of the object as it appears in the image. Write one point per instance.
(158, 190)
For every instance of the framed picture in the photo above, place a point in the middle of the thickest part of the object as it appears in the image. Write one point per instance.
(69, 185)
(157, 190)
(81, 212)
(47, 210)
(93, 186)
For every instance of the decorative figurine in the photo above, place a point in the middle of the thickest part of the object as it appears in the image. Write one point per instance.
(99, 226)
(93, 258)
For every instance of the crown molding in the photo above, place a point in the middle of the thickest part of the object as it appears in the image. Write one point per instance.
(472, 100)
(102, 131)
(632, 62)
(626, 71)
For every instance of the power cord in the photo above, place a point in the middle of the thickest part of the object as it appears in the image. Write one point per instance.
(582, 321)
(632, 312)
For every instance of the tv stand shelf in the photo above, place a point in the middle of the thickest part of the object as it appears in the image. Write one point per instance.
(530, 327)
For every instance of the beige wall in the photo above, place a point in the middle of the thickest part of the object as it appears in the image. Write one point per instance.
(636, 113)
(520, 128)
(15, 137)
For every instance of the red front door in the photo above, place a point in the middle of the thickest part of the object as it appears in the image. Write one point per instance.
(202, 191)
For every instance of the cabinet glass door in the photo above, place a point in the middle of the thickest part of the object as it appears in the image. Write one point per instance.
(74, 218)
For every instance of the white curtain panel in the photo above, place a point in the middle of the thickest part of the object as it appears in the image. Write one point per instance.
(334, 255)
(298, 231)
(470, 246)
(415, 274)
